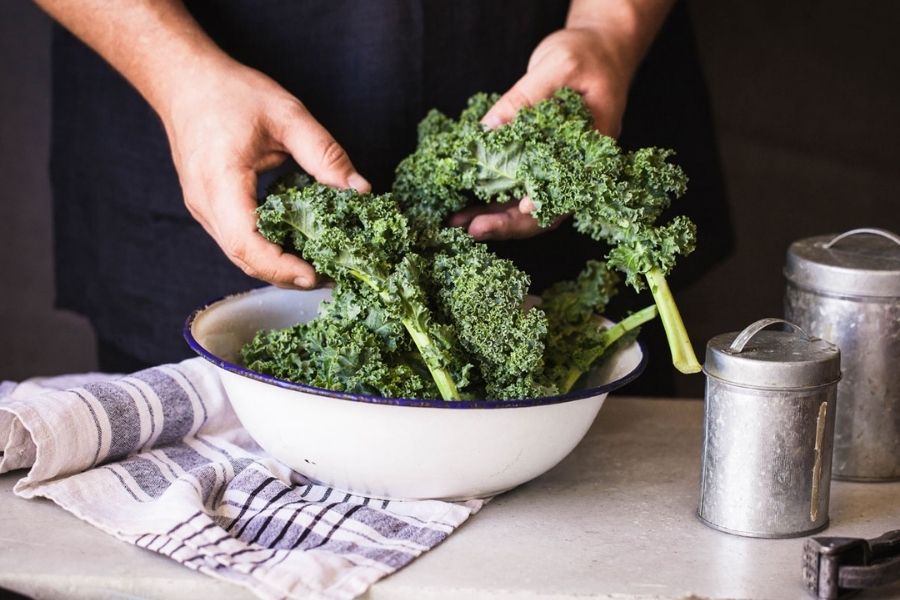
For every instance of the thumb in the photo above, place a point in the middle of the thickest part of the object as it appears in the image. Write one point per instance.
(529, 90)
(320, 155)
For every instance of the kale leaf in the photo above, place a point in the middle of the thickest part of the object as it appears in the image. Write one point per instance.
(422, 310)
(551, 153)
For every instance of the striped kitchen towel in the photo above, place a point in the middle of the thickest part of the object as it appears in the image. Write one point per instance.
(159, 459)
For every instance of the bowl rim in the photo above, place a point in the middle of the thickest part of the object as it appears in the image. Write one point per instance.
(238, 369)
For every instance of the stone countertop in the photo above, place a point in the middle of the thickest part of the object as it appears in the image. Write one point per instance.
(615, 520)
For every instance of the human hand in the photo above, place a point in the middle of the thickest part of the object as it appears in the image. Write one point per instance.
(225, 122)
(589, 61)
(584, 59)
(501, 220)
(227, 125)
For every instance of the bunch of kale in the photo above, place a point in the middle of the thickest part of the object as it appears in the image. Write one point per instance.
(421, 310)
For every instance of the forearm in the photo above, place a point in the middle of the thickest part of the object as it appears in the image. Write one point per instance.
(155, 44)
(629, 25)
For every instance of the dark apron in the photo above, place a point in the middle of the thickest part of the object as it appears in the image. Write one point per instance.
(129, 256)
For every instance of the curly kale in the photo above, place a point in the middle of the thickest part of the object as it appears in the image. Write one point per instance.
(351, 346)
(578, 336)
(421, 310)
(430, 315)
(355, 239)
(551, 153)
(484, 297)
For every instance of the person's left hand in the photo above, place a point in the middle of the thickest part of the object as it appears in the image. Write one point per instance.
(586, 60)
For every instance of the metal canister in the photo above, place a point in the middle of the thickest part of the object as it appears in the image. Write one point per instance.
(846, 289)
(768, 429)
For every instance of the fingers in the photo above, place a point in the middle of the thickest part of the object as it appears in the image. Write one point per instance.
(465, 216)
(605, 109)
(526, 206)
(500, 221)
(529, 90)
(319, 153)
(230, 216)
(510, 223)
(575, 58)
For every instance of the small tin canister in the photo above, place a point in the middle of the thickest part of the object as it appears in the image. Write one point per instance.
(846, 289)
(768, 428)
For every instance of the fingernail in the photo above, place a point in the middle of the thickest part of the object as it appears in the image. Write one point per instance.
(526, 205)
(358, 183)
(492, 121)
(303, 282)
(479, 234)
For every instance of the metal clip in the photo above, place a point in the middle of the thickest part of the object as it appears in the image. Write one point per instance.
(838, 567)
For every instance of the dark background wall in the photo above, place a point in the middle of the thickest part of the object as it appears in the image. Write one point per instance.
(807, 105)
(34, 339)
(806, 97)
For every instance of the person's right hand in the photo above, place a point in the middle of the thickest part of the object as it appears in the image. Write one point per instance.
(227, 125)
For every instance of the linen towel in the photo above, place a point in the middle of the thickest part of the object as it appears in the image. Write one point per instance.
(159, 459)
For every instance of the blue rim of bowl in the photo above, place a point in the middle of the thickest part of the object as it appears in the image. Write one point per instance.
(414, 402)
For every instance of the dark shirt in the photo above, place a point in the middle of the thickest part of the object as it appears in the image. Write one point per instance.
(129, 256)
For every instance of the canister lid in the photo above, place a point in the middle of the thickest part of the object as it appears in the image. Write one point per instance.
(860, 262)
(772, 359)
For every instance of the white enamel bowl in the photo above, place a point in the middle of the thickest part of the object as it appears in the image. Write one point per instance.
(392, 447)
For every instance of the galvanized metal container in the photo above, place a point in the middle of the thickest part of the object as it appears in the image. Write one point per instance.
(846, 289)
(768, 428)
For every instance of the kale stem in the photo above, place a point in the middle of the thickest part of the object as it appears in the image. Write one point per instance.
(441, 377)
(427, 349)
(610, 337)
(679, 343)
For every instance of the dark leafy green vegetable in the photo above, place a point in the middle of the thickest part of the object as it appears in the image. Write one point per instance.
(421, 310)
(433, 314)
(578, 336)
(552, 154)
(352, 346)
(483, 296)
(366, 240)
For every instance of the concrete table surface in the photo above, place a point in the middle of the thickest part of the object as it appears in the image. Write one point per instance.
(615, 520)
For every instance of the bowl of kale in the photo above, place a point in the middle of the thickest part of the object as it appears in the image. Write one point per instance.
(428, 371)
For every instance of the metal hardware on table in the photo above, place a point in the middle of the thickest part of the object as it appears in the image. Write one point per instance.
(837, 567)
